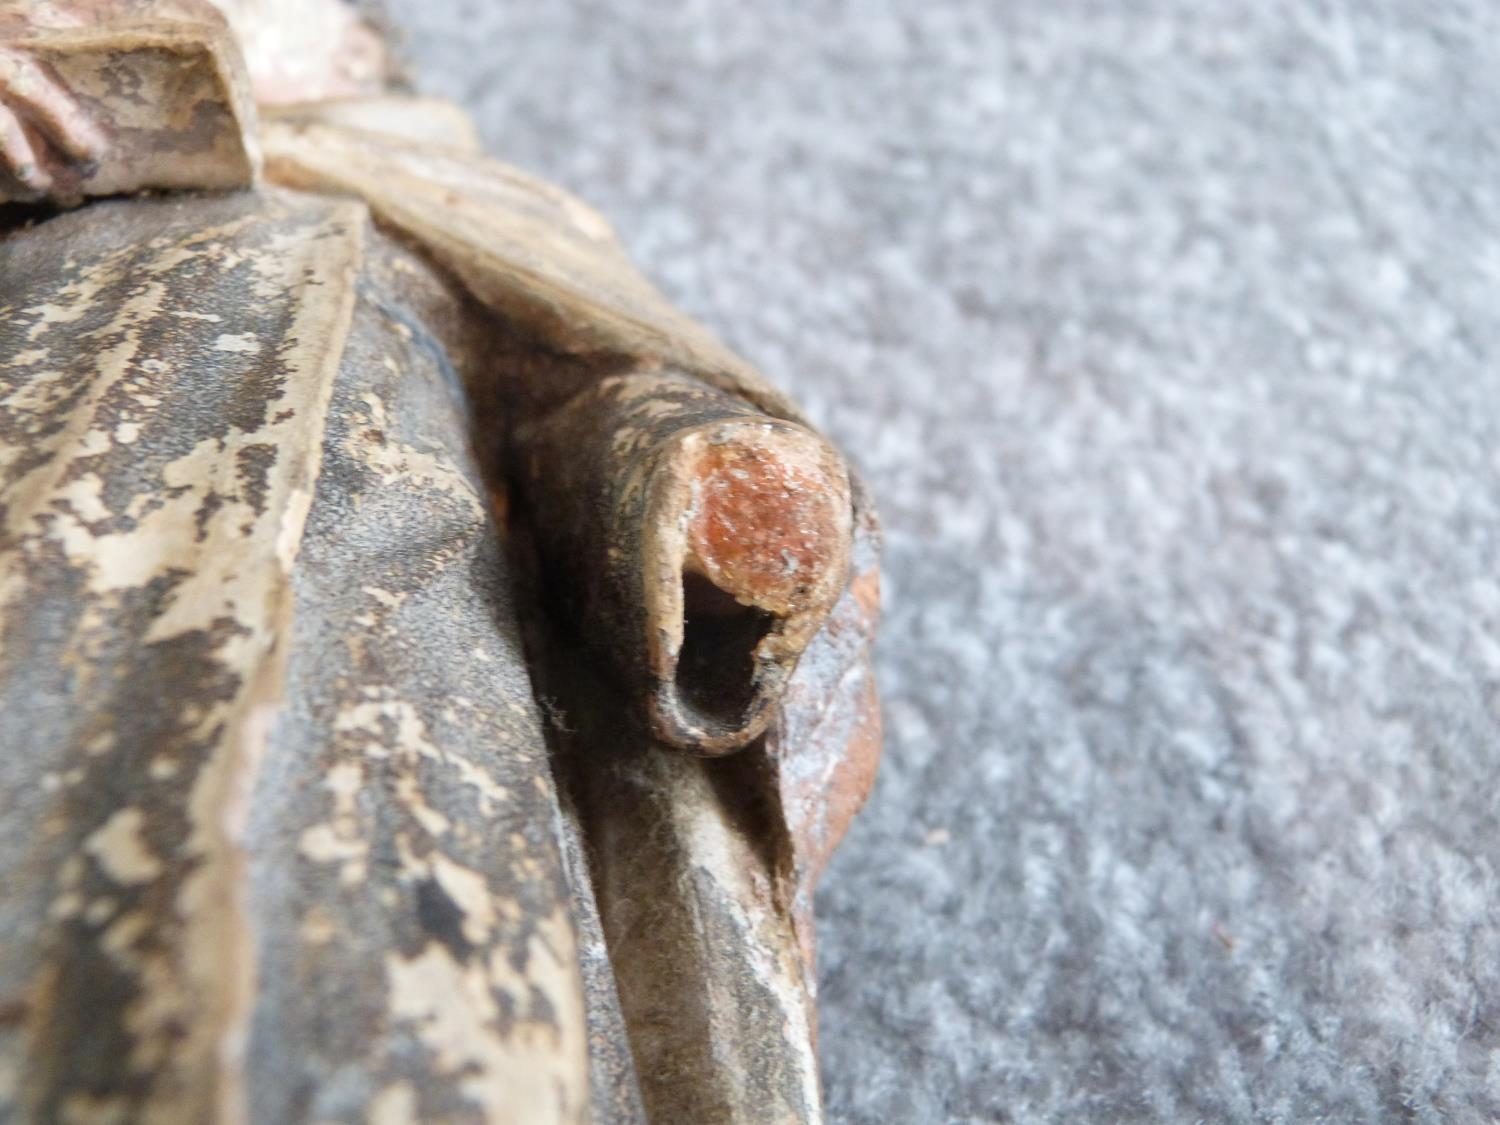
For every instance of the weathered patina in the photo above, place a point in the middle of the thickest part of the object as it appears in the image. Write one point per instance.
(435, 669)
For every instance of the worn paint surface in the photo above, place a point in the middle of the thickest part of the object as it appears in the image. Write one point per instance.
(355, 893)
(614, 484)
(165, 368)
(684, 854)
(824, 749)
(416, 941)
(528, 250)
(167, 98)
(703, 869)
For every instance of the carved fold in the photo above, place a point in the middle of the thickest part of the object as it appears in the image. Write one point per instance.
(698, 541)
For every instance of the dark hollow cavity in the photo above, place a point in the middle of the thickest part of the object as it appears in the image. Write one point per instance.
(716, 669)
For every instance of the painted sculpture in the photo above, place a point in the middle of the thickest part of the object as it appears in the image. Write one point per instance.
(435, 671)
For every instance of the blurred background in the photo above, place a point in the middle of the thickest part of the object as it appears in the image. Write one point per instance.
(1166, 334)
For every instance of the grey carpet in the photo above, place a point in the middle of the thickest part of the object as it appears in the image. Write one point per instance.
(1167, 334)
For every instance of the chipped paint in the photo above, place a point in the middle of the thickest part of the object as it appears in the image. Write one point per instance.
(515, 1076)
(328, 883)
(141, 548)
(404, 859)
(120, 851)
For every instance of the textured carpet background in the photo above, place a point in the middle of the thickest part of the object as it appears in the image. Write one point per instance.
(1167, 335)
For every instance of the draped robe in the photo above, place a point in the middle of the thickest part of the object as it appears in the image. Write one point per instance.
(310, 809)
